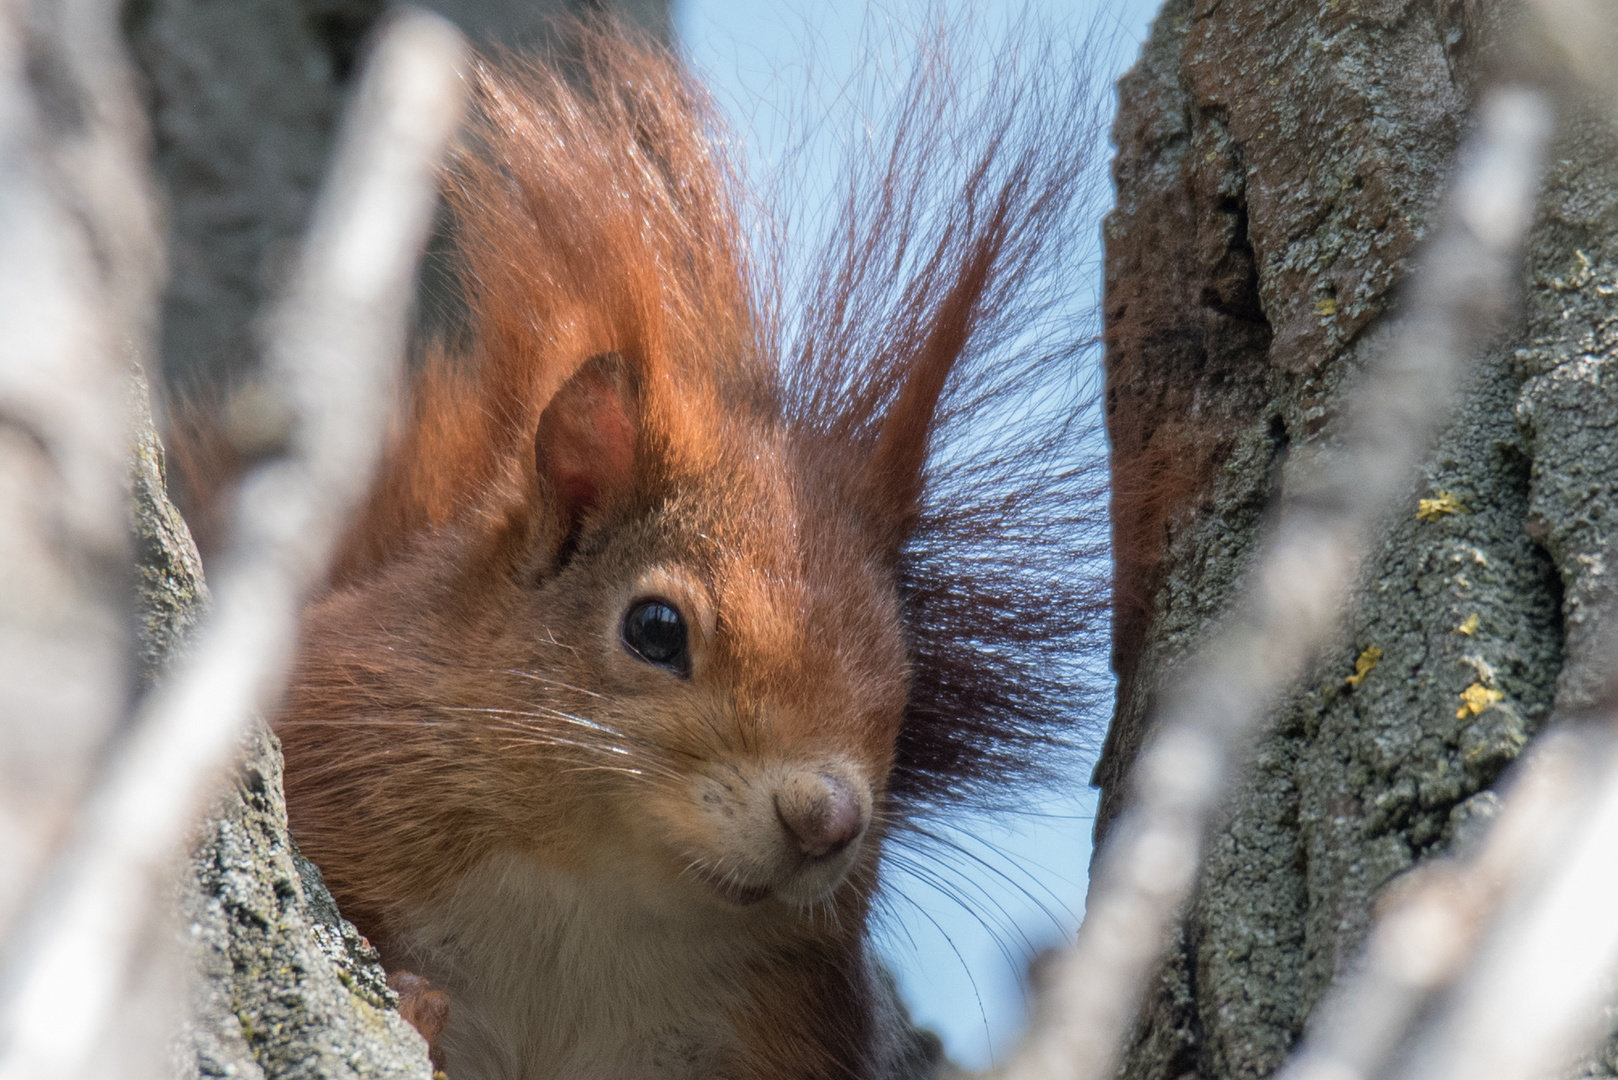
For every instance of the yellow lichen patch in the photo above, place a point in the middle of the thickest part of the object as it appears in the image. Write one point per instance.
(1469, 626)
(1326, 305)
(1435, 508)
(1363, 665)
(1476, 698)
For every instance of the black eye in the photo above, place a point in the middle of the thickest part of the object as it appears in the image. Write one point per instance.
(656, 632)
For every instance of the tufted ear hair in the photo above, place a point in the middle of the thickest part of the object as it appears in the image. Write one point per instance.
(895, 476)
(586, 442)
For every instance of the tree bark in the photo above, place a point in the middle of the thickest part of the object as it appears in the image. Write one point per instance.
(1278, 165)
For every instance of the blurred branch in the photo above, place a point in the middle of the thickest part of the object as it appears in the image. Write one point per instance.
(65, 678)
(1460, 291)
(335, 350)
(1586, 31)
(99, 158)
(1432, 921)
(1531, 1000)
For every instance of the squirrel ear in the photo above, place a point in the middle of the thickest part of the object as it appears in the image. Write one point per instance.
(585, 445)
(895, 473)
(893, 477)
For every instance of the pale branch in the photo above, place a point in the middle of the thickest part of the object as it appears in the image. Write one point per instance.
(1432, 920)
(1531, 999)
(70, 300)
(1586, 32)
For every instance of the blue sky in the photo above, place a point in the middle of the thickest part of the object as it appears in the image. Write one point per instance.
(960, 966)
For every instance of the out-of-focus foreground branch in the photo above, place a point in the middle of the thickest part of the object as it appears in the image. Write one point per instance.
(99, 815)
(77, 284)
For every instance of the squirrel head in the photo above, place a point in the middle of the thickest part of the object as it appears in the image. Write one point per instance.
(671, 649)
(705, 604)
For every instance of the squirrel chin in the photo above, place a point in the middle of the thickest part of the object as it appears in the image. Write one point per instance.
(805, 887)
(734, 892)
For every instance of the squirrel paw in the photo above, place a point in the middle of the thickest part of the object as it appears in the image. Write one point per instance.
(426, 1009)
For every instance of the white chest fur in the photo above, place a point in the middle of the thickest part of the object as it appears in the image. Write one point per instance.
(551, 976)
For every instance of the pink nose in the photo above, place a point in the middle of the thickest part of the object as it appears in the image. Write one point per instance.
(822, 814)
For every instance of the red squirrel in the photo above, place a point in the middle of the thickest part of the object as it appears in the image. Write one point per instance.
(668, 615)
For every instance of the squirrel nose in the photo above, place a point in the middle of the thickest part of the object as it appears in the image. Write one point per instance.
(822, 813)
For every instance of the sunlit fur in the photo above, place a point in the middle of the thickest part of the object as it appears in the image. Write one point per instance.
(578, 846)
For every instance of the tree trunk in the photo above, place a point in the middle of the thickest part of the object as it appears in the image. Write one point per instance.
(1278, 164)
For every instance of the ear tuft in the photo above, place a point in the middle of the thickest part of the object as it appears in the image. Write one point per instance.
(585, 445)
(896, 474)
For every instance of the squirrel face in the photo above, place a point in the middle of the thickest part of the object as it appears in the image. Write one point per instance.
(731, 754)
(671, 653)
(777, 753)
(729, 646)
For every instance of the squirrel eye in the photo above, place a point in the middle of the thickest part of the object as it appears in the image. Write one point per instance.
(656, 632)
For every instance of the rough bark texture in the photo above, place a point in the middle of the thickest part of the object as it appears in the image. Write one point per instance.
(170, 592)
(284, 986)
(1277, 165)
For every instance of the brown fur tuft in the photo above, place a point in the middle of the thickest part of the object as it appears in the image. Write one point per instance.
(935, 288)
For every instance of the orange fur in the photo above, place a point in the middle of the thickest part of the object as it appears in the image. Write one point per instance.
(472, 749)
